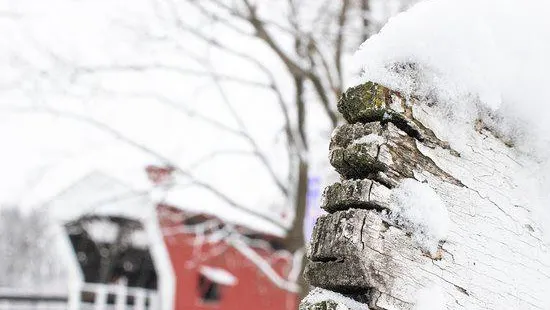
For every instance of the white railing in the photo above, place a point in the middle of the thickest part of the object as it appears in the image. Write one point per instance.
(92, 296)
(117, 297)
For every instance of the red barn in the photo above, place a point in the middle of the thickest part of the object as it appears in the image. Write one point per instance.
(134, 253)
(223, 266)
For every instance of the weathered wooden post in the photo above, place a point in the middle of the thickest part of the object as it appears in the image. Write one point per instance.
(490, 256)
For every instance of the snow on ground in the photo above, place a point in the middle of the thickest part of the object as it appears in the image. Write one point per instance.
(479, 60)
(420, 210)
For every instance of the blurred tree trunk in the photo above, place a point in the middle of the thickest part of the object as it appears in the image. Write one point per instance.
(295, 240)
(365, 8)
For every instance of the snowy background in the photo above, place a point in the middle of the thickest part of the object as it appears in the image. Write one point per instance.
(113, 86)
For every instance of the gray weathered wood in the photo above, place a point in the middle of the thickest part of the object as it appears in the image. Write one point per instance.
(493, 257)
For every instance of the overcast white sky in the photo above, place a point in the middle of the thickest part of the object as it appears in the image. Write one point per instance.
(42, 153)
(40, 44)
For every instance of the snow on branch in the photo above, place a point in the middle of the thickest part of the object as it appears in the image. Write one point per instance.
(213, 231)
(240, 245)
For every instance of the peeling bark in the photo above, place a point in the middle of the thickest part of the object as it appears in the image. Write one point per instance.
(493, 258)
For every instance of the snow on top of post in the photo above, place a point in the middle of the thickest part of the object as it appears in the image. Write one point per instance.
(479, 64)
(477, 58)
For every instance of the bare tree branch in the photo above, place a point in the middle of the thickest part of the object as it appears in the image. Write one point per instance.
(78, 71)
(365, 10)
(9, 15)
(245, 133)
(218, 18)
(213, 155)
(242, 132)
(273, 84)
(292, 66)
(263, 265)
(225, 48)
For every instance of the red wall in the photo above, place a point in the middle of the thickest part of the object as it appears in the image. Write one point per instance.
(253, 289)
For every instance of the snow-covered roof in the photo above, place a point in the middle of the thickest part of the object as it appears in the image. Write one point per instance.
(99, 194)
(211, 206)
(123, 164)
